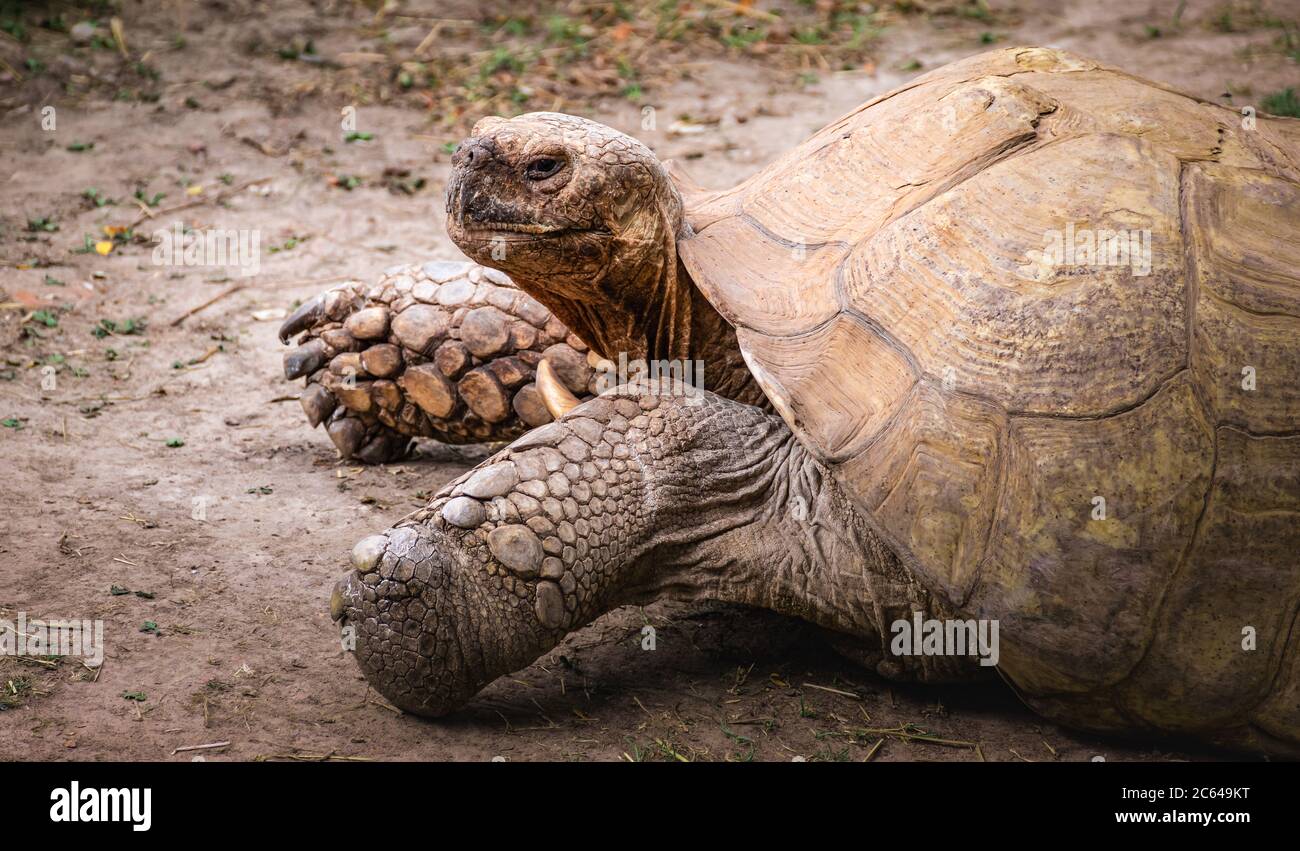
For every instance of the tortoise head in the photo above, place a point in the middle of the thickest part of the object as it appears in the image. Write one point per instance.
(575, 212)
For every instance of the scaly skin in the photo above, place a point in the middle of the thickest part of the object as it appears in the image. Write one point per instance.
(445, 350)
(631, 497)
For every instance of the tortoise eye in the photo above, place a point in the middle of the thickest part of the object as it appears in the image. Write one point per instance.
(543, 167)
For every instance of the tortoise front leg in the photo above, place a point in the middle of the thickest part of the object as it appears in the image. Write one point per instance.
(628, 498)
(447, 350)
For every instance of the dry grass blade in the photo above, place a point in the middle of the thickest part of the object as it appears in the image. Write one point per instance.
(207, 747)
(912, 733)
(311, 757)
(832, 690)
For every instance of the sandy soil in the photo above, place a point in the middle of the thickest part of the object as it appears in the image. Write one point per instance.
(103, 468)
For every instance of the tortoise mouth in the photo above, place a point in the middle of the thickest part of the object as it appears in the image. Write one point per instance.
(485, 230)
(514, 227)
(478, 214)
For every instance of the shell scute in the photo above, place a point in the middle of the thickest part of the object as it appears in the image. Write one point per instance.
(996, 281)
(1199, 673)
(1243, 226)
(815, 380)
(1094, 516)
(929, 479)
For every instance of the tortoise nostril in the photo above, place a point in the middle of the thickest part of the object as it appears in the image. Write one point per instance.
(472, 153)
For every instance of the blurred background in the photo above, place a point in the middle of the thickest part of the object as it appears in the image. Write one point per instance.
(456, 61)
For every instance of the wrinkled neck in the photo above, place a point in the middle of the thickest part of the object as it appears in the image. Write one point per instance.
(713, 343)
(638, 306)
(745, 514)
(638, 303)
(762, 523)
(651, 310)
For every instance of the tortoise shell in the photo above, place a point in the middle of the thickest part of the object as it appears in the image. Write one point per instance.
(1104, 456)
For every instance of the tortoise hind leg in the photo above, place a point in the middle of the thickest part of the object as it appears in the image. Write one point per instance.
(445, 350)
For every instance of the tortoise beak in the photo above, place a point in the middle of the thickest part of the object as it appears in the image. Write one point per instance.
(465, 198)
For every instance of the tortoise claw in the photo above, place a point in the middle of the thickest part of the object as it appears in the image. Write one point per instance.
(347, 434)
(308, 314)
(386, 447)
(317, 403)
(557, 398)
(304, 360)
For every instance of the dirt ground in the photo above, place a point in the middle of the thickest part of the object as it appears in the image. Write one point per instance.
(162, 453)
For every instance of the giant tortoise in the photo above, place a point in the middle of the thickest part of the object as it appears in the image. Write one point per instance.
(1016, 343)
